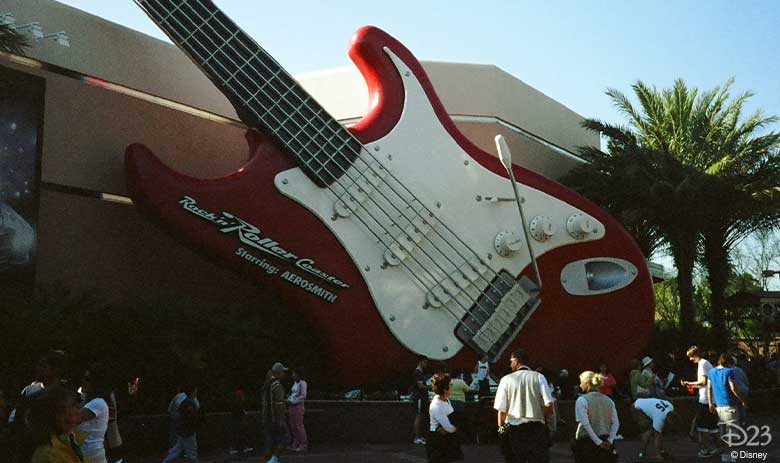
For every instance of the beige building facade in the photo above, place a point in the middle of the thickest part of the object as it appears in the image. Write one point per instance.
(113, 86)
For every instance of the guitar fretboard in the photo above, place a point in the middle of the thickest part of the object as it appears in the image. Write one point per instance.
(264, 94)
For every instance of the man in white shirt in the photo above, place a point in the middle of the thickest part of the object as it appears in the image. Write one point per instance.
(524, 404)
(651, 416)
(706, 422)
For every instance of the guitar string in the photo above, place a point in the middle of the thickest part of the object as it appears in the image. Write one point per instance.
(445, 290)
(455, 298)
(341, 130)
(303, 102)
(192, 34)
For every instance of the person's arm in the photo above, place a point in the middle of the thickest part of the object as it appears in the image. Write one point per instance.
(701, 381)
(301, 396)
(501, 405)
(581, 416)
(439, 416)
(86, 414)
(737, 394)
(710, 399)
(501, 416)
(547, 398)
(613, 429)
(278, 404)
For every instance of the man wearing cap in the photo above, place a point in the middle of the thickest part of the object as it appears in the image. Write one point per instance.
(646, 381)
(274, 410)
(524, 404)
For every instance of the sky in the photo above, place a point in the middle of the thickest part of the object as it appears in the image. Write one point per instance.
(570, 50)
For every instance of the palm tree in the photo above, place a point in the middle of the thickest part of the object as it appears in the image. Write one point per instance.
(12, 41)
(724, 182)
(652, 194)
(613, 178)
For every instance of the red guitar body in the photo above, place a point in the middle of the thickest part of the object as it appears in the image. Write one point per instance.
(567, 331)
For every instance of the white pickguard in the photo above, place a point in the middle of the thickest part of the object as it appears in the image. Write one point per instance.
(420, 153)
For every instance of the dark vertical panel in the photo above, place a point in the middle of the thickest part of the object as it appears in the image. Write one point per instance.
(21, 130)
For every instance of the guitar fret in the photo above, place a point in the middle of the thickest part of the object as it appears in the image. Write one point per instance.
(171, 13)
(198, 28)
(270, 96)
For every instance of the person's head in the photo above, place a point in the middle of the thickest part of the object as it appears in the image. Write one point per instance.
(278, 370)
(54, 412)
(726, 360)
(603, 369)
(50, 367)
(590, 381)
(422, 362)
(518, 359)
(484, 358)
(648, 362)
(298, 373)
(634, 364)
(441, 385)
(95, 382)
(694, 354)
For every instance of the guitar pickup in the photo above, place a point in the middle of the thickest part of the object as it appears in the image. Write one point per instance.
(499, 314)
(357, 193)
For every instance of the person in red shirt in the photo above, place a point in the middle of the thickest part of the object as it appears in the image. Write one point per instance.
(608, 386)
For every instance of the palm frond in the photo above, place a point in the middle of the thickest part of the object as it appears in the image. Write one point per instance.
(12, 41)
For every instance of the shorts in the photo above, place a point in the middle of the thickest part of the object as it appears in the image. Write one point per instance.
(705, 421)
(727, 415)
(644, 422)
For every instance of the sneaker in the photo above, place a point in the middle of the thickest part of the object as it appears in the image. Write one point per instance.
(641, 458)
(419, 441)
(247, 449)
(666, 456)
(273, 459)
(704, 453)
(232, 451)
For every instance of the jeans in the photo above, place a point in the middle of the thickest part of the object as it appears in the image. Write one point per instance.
(299, 438)
(186, 447)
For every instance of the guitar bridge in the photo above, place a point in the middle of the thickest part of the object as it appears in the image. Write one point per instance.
(499, 314)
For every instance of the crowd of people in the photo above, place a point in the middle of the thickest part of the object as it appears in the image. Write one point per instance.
(76, 422)
(526, 407)
(58, 421)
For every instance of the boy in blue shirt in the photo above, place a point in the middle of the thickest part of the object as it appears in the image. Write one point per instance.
(723, 395)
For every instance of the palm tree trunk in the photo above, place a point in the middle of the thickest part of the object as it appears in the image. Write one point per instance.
(684, 255)
(716, 259)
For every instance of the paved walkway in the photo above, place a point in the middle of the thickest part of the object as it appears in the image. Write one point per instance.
(683, 449)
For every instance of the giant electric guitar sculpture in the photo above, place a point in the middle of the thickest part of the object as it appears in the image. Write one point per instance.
(382, 234)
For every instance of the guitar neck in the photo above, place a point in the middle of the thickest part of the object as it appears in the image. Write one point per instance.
(264, 94)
